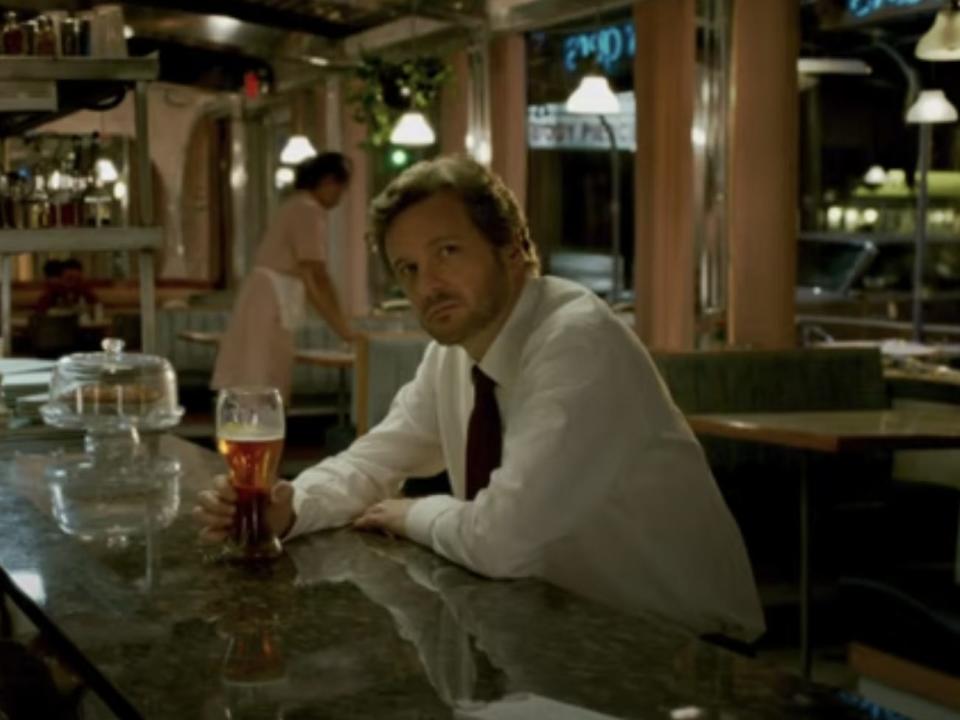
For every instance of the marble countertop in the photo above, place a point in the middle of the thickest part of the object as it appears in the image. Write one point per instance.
(344, 625)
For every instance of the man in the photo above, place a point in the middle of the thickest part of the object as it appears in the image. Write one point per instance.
(65, 288)
(596, 484)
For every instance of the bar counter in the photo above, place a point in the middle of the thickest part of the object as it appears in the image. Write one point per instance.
(344, 625)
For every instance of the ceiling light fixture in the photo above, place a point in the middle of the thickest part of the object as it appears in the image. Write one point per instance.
(932, 107)
(593, 96)
(875, 176)
(941, 43)
(412, 130)
(284, 177)
(105, 171)
(297, 149)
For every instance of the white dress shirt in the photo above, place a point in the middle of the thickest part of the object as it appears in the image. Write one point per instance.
(602, 489)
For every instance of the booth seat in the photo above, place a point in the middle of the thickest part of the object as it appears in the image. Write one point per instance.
(760, 482)
(887, 549)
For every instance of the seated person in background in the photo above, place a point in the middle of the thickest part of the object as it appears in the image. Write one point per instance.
(567, 458)
(66, 291)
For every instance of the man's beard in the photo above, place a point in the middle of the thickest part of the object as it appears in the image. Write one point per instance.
(487, 310)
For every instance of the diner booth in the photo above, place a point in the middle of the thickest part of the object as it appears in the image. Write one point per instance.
(764, 192)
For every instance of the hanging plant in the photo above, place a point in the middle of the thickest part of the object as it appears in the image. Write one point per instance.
(386, 89)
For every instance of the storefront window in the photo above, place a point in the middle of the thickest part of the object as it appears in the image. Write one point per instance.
(570, 156)
(859, 178)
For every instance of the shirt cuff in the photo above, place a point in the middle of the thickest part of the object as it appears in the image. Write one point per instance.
(300, 524)
(423, 512)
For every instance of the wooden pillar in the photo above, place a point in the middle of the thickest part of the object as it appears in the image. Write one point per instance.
(508, 112)
(763, 173)
(454, 104)
(664, 78)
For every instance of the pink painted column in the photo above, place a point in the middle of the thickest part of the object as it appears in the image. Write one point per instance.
(664, 79)
(454, 104)
(763, 174)
(508, 112)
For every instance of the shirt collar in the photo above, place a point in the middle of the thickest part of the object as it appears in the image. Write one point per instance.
(502, 359)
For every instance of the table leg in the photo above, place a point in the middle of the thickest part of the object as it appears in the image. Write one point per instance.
(806, 592)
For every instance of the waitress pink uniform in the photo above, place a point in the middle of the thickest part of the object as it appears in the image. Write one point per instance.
(257, 349)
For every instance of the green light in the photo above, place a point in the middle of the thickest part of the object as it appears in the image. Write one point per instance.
(399, 157)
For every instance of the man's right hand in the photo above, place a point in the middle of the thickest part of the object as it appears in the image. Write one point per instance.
(215, 509)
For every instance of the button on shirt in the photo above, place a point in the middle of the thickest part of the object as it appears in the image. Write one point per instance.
(602, 488)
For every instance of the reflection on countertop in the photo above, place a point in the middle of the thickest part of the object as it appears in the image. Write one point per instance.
(348, 625)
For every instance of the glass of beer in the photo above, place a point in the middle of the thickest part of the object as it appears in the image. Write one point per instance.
(250, 431)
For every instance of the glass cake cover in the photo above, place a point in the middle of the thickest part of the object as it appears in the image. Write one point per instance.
(112, 391)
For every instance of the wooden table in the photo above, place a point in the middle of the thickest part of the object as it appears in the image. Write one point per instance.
(833, 432)
(200, 336)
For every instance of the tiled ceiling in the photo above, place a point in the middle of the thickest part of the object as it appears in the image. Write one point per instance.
(333, 19)
(233, 36)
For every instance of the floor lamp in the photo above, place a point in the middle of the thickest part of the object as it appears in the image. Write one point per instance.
(593, 96)
(932, 107)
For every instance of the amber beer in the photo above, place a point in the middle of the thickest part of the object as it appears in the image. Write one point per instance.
(253, 457)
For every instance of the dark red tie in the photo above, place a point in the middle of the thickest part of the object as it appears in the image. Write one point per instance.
(484, 434)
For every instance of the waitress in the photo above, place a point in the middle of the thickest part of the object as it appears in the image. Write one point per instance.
(290, 268)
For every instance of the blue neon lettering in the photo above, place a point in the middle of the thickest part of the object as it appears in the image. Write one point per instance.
(865, 8)
(609, 45)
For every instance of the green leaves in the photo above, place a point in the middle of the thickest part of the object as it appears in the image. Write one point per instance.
(385, 89)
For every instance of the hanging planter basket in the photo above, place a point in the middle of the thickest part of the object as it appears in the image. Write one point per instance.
(385, 89)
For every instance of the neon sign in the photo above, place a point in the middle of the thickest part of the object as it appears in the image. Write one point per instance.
(865, 8)
(608, 45)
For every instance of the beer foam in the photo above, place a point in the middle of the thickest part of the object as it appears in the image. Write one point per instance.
(237, 432)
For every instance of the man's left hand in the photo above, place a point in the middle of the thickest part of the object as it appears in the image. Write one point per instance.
(389, 516)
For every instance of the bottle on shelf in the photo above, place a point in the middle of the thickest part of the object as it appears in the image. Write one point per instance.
(46, 43)
(70, 36)
(29, 37)
(38, 205)
(14, 38)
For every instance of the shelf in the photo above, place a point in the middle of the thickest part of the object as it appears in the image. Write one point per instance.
(80, 240)
(81, 68)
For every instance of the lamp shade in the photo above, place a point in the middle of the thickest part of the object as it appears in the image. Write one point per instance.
(875, 175)
(105, 171)
(942, 41)
(297, 149)
(412, 130)
(284, 177)
(932, 107)
(593, 96)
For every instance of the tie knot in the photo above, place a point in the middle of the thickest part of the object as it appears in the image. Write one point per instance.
(481, 380)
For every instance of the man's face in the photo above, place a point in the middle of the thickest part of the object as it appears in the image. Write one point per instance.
(461, 286)
(329, 192)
